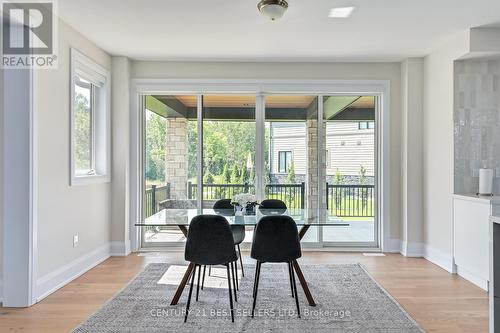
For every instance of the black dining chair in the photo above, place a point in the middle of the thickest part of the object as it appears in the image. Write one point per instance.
(224, 207)
(272, 206)
(210, 242)
(276, 240)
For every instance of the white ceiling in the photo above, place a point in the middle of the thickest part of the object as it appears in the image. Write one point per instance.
(234, 30)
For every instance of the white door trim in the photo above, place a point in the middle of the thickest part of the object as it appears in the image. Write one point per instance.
(380, 88)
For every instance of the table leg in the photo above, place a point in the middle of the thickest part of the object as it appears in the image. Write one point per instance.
(183, 283)
(303, 283)
(184, 230)
(300, 275)
(185, 279)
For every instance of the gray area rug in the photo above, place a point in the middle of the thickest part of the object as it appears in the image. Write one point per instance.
(348, 300)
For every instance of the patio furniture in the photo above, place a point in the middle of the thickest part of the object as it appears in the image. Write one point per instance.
(210, 242)
(276, 240)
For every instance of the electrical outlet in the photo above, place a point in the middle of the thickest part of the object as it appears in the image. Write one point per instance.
(75, 241)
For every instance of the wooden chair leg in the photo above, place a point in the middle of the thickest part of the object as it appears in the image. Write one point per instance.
(241, 261)
(295, 291)
(230, 293)
(257, 276)
(190, 293)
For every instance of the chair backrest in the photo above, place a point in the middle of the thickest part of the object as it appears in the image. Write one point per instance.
(272, 204)
(209, 241)
(276, 239)
(223, 207)
(223, 204)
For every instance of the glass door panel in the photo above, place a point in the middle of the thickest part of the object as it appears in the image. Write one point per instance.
(291, 124)
(349, 157)
(170, 141)
(228, 148)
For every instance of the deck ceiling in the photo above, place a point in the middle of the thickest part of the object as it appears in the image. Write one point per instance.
(278, 107)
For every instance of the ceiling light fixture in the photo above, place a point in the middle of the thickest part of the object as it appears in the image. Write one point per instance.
(273, 9)
(341, 12)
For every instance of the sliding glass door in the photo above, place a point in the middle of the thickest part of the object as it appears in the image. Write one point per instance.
(350, 164)
(170, 162)
(291, 168)
(311, 151)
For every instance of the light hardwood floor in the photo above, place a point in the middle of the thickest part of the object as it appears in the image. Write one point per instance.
(437, 300)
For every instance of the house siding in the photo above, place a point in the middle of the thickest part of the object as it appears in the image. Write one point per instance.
(348, 147)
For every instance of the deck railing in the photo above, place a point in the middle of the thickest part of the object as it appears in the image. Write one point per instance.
(292, 194)
(153, 196)
(350, 200)
(341, 200)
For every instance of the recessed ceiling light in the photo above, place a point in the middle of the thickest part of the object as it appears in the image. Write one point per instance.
(341, 12)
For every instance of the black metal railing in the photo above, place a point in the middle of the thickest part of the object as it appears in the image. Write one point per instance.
(350, 200)
(153, 196)
(292, 194)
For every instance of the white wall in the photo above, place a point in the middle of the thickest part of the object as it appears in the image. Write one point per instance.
(304, 71)
(438, 148)
(1, 183)
(64, 211)
(120, 239)
(411, 159)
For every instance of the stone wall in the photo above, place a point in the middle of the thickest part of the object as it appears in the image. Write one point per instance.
(176, 169)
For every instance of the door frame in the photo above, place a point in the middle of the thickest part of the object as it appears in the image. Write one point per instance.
(380, 88)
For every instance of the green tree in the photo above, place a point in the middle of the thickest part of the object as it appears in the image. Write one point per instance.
(156, 132)
(244, 175)
(362, 175)
(364, 191)
(209, 178)
(226, 176)
(291, 173)
(235, 175)
(82, 132)
(338, 179)
(251, 179)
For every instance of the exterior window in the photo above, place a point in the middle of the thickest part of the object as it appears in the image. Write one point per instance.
(84, 140)
(362, 125)
(90, 121)
(284, 161)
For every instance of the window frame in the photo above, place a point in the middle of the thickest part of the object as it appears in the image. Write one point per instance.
(279, 160)
(366, 125)
(100, 105)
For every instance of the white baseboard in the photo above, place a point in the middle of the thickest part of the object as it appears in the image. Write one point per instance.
(473, 278)
(412, 249)
(49, 283)
(120, 249)
(439, 258)
(393, 246)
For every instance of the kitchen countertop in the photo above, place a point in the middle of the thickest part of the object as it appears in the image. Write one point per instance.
(479, 198)
(495, 219)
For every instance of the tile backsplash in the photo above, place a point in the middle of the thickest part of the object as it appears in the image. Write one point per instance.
(476, 123)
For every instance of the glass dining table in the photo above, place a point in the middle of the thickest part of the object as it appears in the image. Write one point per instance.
(304, 218)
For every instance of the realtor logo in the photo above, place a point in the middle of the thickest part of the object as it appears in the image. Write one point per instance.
(29, 34)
